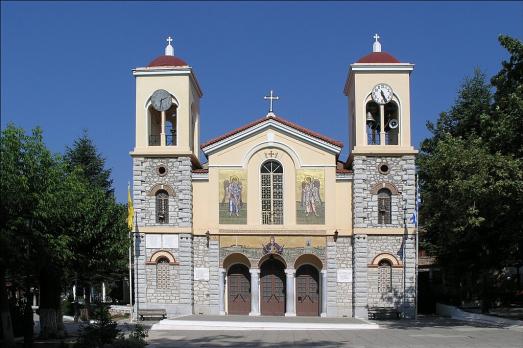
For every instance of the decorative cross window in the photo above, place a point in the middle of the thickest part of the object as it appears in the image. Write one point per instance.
(162, 207)
(384, 277)
(272, 193)
(384, 207)
(162, 273)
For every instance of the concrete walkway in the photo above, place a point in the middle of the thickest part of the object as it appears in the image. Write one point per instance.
(241, 322)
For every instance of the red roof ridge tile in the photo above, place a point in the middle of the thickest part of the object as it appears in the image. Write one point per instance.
(278, 119)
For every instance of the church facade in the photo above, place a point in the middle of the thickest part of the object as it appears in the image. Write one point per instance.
(274, 223)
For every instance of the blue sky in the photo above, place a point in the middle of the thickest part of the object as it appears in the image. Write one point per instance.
(66, 66)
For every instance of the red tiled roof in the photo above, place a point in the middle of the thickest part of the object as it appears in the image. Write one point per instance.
(200, 171)
(167, 61)
(343, 171)
(378, 57)
(277, 119)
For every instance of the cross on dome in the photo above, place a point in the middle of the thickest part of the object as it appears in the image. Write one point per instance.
(376, 46)
(271, 97)
(169, 49)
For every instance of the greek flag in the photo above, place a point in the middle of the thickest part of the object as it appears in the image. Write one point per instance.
(414, 217)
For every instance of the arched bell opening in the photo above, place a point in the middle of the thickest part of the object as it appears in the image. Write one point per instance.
(391, 123)
(154, 126)
(372, 112)
(171, 126)
(272, 287)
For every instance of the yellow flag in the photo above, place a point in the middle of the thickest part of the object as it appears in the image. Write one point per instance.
(130, 209)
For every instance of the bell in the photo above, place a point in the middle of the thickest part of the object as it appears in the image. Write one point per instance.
(370, 118)
(393, 123)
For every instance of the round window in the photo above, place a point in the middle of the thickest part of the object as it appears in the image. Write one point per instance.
(161, 170)
(384, 168)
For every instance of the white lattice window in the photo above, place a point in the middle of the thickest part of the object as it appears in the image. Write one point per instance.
(162, 207)
(272, 193)
(384, 277)
(384, 207)
(162, 273)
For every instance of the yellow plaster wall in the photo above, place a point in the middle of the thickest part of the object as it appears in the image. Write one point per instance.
(361, 84)
(249, 154)
(185, 92)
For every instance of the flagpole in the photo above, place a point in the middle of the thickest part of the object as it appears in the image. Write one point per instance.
(131, 313)
(417, 244)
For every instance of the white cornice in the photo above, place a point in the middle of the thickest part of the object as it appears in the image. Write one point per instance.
(169, 71)
(381, 67)
(270, 122)
(200, 176)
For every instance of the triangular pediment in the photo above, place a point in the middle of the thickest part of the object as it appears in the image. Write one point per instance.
(272, 121)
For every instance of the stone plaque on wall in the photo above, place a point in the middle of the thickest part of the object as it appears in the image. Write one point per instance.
(201, 273)
(170, 241)
(344, 275)
(153, 241)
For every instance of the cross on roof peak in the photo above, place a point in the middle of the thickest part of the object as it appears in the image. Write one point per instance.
(169, 49)
(376, 46)
(271, 97)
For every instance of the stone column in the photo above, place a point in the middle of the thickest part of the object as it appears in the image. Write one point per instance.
(360, 286)
(162, 131)
(221, 288)
(255, 291)
(324, 291)
(290, 295)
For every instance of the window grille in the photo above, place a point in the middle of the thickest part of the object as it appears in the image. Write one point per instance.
(384, 277)
(162, 207)
(162, 273)
(272, 193)
(384, 207)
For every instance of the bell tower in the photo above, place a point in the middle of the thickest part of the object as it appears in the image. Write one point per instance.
(383, 161)
(166, 150)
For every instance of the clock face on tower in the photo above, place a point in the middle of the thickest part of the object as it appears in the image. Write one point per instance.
(382, 93)
(161, 100)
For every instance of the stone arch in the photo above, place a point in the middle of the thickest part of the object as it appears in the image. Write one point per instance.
(162, 254)
(391, 187)
(395, 263)
(236, 258)
(152, 191)
(308, 259)
(275, 256)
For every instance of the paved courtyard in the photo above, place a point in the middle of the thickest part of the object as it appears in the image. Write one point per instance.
(425, 332)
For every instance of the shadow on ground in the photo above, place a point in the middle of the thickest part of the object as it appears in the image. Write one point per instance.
(435, 322)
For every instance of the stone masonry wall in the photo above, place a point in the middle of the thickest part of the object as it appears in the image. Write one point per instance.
(360, 279)
(206, 294)
(344, 289)
(177, 298)
(366, 175)
(375, 246)
(178, 177)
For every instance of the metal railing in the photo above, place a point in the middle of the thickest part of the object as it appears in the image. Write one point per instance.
(154, 140)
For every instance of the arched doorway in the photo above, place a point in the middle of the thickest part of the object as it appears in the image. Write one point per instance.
(238, 289)
(272, 287)
(307, 291)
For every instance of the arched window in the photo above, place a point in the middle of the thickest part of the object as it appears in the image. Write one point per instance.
(170, 126)
(384, 276)
(372, 113)
(391, 124)
(162, 207)
(162, 273)
(384, 207)
(272, 193)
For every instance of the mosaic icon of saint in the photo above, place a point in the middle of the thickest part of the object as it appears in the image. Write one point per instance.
(234, 195)
(310, 195)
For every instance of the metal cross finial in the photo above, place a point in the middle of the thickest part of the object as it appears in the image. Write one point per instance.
(169, 40)
(271, 97)
(376, 37)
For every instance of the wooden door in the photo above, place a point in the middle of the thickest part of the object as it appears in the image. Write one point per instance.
(272, 288)
(239, 290)
(307, 291)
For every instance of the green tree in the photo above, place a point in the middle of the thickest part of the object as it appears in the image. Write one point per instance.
(472, 183)
(84, 154)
